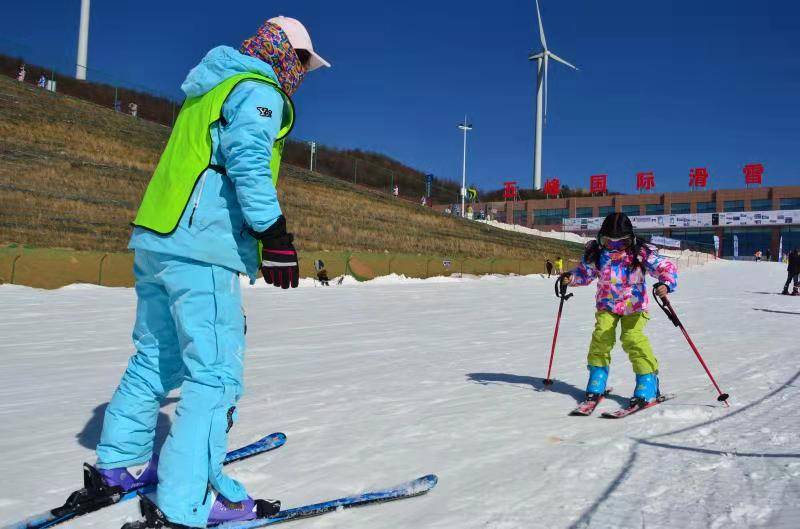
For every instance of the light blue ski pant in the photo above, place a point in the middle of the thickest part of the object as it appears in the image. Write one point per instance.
(189, 333)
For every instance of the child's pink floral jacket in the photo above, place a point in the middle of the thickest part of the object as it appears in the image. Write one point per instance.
(620, 289)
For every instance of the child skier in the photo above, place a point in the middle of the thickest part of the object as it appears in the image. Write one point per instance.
(210, 201)
(619, 260)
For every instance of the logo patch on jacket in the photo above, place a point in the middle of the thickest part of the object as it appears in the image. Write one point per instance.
(264, 112)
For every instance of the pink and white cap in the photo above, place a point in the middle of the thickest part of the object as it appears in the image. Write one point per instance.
(300, 40)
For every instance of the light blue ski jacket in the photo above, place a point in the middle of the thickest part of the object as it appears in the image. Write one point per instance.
(214, 226)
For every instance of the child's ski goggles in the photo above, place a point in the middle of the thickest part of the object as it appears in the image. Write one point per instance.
(616, 243)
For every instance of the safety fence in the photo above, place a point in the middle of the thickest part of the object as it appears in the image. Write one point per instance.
(688, 258)
(54, 268)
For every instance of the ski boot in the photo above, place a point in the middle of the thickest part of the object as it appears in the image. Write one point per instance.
(796, 292)
(131, 478)
(222, 511)
(247, 509)
(785, 292)
(646, 390)
(598, 378)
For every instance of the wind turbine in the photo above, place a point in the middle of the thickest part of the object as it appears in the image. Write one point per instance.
(83, 41)
(542, 58)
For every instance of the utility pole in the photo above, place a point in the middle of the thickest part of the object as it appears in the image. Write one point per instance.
(83, 41)
(465, 127)
(313, 145)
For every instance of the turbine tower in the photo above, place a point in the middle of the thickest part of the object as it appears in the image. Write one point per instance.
(542, 58)
(83, 41)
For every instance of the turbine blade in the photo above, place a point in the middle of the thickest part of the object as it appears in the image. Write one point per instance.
(541, 28)
(562, 61)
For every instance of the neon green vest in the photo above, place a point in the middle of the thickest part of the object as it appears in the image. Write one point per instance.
(188, 154)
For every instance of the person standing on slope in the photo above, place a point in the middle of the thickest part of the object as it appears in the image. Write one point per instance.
(793, 270)
(208, 207)
(619, 261)
(559, 265)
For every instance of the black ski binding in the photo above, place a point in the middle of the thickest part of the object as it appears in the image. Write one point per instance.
(153, 517)
(94, 495)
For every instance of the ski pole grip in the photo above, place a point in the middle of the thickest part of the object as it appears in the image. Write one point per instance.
(561, 289)
(666, 306)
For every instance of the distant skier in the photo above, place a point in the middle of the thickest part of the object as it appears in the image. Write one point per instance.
(21, 72)
(758, 255)
(322, 274)
(559, 265)
(205, 209)
(793, 270)
(42, 81)
(619, 260)
(549, 266)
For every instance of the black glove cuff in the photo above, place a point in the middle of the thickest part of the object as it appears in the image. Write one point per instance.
(276, 231)
(662, 284)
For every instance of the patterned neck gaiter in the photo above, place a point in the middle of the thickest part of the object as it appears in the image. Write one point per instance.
(272, 46)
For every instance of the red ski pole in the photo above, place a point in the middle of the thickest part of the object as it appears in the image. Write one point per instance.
(561, 293)
(673, 317)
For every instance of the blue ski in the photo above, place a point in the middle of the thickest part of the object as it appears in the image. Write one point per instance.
(82, 501)
(406, 490)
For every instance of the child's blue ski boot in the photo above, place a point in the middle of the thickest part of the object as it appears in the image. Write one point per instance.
(598, 378)
(646, 389)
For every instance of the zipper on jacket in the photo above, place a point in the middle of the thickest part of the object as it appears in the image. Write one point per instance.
(197, 200)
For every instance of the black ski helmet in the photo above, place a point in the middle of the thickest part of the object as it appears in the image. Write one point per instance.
(616, 226)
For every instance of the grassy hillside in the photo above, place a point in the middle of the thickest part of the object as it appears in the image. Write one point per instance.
(72, 174)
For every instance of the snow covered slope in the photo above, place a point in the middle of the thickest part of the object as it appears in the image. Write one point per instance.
(380, 382)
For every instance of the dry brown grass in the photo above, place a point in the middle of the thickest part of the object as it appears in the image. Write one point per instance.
(72, 174)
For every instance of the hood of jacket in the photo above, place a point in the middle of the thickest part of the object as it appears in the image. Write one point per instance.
(219, 64)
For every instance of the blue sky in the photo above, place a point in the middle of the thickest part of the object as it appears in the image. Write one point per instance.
(663, 86)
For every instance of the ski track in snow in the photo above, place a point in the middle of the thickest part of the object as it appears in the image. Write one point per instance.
(382, 382)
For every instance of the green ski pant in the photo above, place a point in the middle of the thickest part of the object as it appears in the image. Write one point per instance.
(634, 342)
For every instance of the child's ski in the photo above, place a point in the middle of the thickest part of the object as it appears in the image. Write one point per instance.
(588, 406)
(405, 490)
(86, 500)
(624, 412)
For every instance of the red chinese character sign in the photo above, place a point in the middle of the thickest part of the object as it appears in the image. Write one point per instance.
(552, 187)
(645, 181)
(510, 191)
(698, 177)
(753, 173)
(598, 183)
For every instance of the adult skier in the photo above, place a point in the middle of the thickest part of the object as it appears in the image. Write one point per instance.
(619, 261)
(209, 205)
(793, 270)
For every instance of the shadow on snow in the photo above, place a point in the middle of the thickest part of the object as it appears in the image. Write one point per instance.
(537, 383)
(627, 468)
(89, 436)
